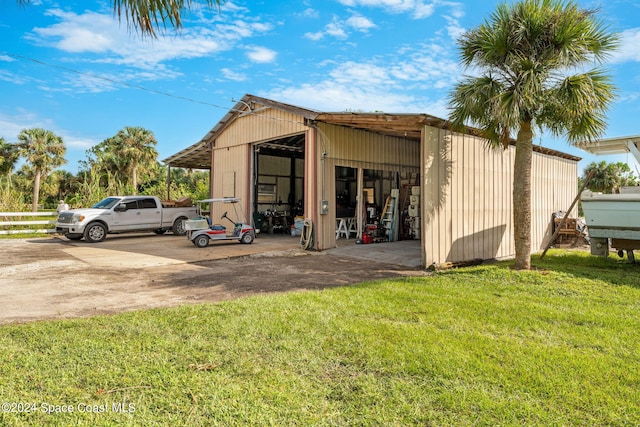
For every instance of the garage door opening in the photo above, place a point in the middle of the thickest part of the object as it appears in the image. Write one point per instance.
(386, 210)
(278, 178)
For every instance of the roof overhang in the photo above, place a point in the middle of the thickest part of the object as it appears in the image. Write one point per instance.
(400, 125)
(198, 156)
(619, 145)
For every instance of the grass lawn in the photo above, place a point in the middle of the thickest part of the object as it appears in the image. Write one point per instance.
(475, 346)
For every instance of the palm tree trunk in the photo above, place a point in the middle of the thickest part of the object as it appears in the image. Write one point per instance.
(36, 190)
(134, 178)
(522, 196)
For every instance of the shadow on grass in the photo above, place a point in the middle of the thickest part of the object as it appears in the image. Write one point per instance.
(578, 264)
(612, 269)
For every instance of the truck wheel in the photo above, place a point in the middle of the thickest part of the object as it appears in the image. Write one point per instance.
(159, 231)
(247, 238)
(201, 241)
(95, 232)
(178, 227)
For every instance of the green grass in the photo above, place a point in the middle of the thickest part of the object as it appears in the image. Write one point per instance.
(479, 346)
(25, 235)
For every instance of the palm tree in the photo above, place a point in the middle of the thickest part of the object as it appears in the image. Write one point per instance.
(146, 15)
(44, 151)
(135, 146)
(524, 54)
(106, 163)
(609, 177)
(8, 157)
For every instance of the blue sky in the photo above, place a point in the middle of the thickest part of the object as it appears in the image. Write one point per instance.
(70, 67)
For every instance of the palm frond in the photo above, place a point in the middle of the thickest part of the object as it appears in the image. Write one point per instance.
(527, 48)
(147, 15)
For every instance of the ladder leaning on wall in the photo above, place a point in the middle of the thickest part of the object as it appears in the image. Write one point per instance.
(390, 215)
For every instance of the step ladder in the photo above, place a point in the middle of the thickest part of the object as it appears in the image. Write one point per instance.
(389, 217)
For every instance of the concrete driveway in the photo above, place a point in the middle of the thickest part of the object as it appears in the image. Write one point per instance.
(137, 250)
(52, 277)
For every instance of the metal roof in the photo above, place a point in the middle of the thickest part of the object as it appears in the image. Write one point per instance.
(198, 156)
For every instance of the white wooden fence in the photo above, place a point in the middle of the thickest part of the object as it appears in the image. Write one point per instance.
(6, 226)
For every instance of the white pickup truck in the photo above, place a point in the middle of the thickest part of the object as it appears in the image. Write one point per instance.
(123, 214)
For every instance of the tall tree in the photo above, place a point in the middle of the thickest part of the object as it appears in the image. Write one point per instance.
(8, 157)
(525, 54)
(135, 146)
(147, 15)
(106, 164)
(44, 151)
(609, 177)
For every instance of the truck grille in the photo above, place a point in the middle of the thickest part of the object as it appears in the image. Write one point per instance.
(65, 217)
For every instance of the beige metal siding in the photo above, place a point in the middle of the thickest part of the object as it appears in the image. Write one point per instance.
(232, 150)
(467, 197)
(357, 149)
(231, 163)
(264, 125)
(554, 186)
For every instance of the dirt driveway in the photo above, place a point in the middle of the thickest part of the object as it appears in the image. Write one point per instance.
(48, 278)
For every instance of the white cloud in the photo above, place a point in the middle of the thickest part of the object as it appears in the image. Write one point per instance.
(422, 10)
(629, 97)
(5, 58)
(364, 74)
(261, 54)
(233, 75)
(360, 23)
(92, 37)
(454, 29)
(12, 124)
(79, 142)
(329, 96)
(337, 28)
(457, 9)
(310, 13)
(628, 50)
(418, 8)
(314, 36)
(386, 84)
(101, 39)
(89, 32)
(13, 78)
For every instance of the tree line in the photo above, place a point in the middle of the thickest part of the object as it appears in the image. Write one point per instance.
(126, 163)
(608, 178)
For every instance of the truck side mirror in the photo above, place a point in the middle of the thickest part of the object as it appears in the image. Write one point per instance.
(120, 208)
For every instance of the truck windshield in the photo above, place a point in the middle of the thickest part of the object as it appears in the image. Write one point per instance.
(107, 203)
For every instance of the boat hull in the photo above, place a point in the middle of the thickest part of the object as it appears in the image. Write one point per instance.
(612, 216)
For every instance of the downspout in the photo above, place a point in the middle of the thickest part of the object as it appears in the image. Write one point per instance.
(323, 156)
